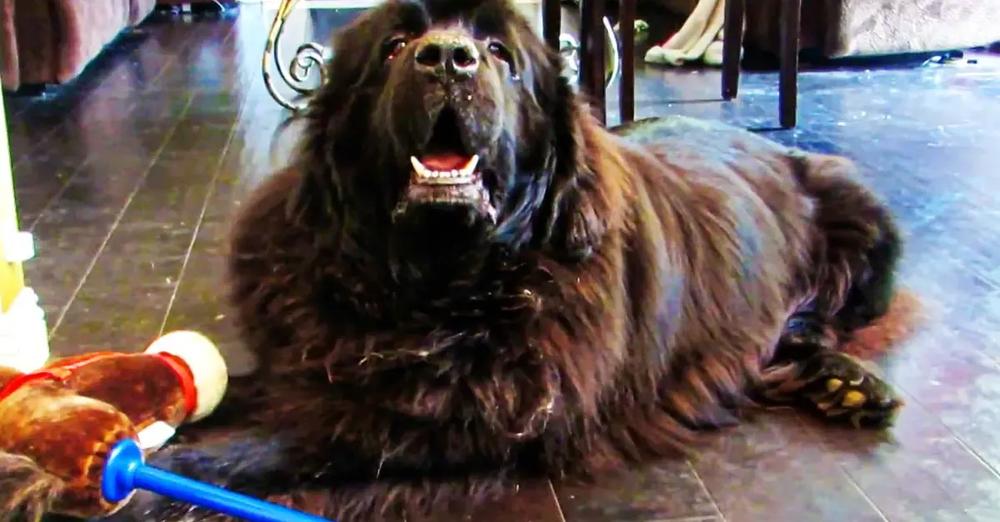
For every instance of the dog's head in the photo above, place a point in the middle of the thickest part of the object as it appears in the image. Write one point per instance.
(445, 127)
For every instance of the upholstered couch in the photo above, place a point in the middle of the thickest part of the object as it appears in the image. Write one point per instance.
(841, 28)
(51, 41)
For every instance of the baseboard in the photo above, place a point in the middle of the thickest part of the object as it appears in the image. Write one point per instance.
(24, 336)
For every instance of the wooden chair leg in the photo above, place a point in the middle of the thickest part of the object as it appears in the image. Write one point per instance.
(551, 22)
(788, 81)
(732, 43)
(592, 54)
(626, 85)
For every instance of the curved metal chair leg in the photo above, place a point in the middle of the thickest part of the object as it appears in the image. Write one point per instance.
(614, 54)
(313, 54)
(306, 57)
(569, 47)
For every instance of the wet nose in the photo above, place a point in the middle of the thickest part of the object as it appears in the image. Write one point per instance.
(445, 54)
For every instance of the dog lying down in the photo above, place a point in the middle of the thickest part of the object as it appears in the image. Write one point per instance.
(463, 279)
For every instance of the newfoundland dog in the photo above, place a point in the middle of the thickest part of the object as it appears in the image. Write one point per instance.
(463, 278)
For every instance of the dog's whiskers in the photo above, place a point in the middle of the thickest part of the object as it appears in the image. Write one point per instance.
(381, 461)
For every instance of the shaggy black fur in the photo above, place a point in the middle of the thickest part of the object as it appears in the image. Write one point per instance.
(631, 290)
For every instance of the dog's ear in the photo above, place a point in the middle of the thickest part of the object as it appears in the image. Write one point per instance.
(327, 128)
(571, 223)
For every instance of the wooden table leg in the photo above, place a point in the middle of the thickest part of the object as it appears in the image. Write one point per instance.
(732, 43)
(788, 81)
(626, 85)
(592, 55)
(551, 22)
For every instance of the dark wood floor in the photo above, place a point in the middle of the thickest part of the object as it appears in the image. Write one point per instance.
(127, 178)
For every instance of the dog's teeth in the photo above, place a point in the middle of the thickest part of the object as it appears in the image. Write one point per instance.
(445, 177)
(420, 169)
(470, 167)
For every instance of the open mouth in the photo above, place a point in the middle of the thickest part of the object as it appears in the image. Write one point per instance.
(446, 174)
(445, 169)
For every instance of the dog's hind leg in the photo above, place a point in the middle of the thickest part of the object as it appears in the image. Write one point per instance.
(855, 252)
(248, 463)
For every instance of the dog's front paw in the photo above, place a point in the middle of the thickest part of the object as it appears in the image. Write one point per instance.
(150, 507)
(837, 386)
(183, 460)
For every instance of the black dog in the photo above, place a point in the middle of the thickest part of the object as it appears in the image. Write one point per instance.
(462, 277)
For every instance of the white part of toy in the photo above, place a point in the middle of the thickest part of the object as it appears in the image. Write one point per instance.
(24, 336)
(154, 436)
(18, 247)
(205, 362)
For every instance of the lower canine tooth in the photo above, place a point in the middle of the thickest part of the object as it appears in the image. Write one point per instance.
(418, 167)
(470, 167)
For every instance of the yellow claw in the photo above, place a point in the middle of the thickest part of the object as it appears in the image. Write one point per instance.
(853, 399)
(833, 385)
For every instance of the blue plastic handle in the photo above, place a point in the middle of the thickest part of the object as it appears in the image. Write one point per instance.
(126, 471)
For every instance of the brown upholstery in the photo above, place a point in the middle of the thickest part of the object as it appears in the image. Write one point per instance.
(839, 28)
(139, 10)
(51, 41)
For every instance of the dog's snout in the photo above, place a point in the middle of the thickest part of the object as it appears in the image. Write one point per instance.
(447, 54)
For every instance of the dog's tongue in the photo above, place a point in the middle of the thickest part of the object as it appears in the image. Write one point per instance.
(445, 161)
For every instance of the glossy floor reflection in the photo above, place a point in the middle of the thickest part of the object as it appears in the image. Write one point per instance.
(127, 178)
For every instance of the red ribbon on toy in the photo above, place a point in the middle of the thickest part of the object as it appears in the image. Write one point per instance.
(62, 369)
(15, 384)
(58, 372)
(185, 377)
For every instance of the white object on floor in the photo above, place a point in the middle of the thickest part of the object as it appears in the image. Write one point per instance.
(24, 337)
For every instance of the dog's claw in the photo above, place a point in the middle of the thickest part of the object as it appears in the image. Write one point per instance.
(839, 387)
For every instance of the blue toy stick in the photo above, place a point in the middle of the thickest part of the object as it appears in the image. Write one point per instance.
(126, 471)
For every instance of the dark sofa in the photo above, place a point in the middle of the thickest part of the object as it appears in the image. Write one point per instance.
(51, 41)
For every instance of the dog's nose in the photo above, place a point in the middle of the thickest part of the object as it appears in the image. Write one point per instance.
(447, 54)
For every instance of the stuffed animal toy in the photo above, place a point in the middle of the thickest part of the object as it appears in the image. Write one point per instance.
(58, 424)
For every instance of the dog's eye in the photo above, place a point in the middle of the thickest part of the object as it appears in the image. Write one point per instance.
(393, 46)
(501, 52)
